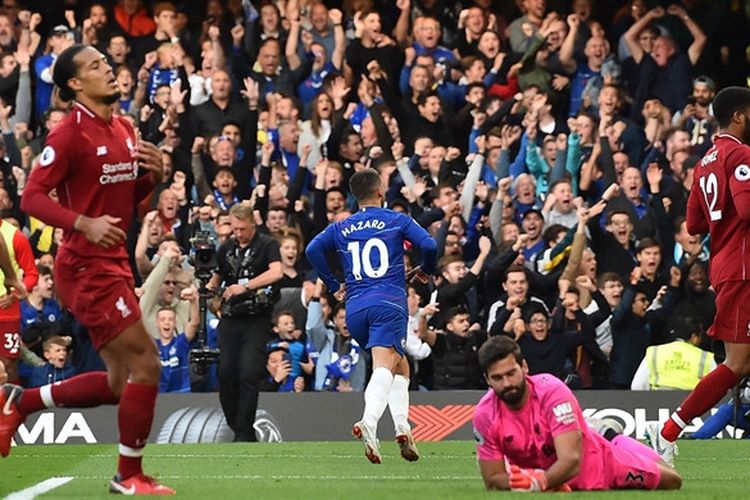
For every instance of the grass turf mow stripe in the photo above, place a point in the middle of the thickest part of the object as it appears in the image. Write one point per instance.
(332, 470)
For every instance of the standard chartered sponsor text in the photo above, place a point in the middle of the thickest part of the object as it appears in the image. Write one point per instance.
(113, 173)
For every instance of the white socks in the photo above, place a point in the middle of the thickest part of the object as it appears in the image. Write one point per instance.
(398, 403)
(376, 396)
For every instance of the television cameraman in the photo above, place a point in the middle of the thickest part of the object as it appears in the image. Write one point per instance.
(248, 266)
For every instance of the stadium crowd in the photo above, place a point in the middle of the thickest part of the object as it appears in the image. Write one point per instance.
(548, 146)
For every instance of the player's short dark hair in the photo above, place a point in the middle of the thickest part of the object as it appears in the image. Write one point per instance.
(65, 69)
(497, 348)
(727, 102)
(364, 184)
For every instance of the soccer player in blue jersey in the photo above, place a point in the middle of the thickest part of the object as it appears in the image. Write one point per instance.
(371, 245)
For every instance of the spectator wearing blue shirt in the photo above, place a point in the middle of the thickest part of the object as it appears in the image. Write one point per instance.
(40, 304)
(289, 336)
(595, 52)
(174, 348)
(60, 39)
(278, 369)
(57, 367)
(427, 35)
(318, 63)
(165, 71)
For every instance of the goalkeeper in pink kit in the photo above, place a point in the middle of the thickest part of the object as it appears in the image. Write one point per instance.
(531, 435)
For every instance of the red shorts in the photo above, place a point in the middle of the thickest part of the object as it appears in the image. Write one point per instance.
(99, 292)
(630, 470)
(732, 320)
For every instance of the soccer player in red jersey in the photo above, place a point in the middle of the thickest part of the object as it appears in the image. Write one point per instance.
(93, 159)
(20, 257)
(719, 204)
(11, 290)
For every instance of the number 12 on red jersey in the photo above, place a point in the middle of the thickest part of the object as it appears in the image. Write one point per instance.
(710, 187)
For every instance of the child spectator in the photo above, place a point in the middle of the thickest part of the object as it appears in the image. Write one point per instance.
(40, 306)
(57, 367)
(289, 336)
(174, 347)
(278, 372)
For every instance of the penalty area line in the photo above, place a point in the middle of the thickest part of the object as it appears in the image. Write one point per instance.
(39, 488)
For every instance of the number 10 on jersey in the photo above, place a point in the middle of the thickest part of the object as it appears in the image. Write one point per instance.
(362, 258)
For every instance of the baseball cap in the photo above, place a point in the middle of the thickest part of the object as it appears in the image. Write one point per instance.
(533, 210)
(60, 29)
(705, 80)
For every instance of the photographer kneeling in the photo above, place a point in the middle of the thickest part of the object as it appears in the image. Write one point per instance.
(248, 266)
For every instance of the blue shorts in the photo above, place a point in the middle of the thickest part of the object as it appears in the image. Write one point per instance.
(380, 326)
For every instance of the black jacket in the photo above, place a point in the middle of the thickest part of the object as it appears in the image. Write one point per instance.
(456, 362)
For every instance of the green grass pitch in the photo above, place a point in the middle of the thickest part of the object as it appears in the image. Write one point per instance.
(714, 469)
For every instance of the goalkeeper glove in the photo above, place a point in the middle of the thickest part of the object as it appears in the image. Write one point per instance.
(528, 480)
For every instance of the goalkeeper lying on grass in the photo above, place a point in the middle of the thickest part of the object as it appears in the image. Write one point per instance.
(531, 435)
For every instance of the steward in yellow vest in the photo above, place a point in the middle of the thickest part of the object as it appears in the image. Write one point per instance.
(679, 364)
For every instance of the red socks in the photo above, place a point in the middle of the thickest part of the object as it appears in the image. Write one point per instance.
(706, 394)
(82, 391)
(134, 416)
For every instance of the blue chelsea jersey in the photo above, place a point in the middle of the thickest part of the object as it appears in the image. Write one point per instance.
(370, 244)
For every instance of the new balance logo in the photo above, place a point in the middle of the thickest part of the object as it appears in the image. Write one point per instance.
(123, 308)
(101, 150)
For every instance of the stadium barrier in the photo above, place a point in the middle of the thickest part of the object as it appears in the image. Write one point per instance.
(197, 418)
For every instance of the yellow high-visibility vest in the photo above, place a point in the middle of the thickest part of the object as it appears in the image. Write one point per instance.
(677, 365)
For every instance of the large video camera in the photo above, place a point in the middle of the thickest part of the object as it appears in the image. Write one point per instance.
(203, 255)
(203, 258)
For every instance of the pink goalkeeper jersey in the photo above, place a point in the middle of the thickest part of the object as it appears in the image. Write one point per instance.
(525, 437)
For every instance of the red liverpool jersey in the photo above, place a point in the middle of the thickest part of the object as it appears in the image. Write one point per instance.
(92, 164)
(719, 204)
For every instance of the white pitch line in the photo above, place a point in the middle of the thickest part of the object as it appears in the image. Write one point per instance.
(39, 488)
